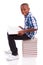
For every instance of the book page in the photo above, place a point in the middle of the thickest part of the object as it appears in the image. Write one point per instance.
(13, 30)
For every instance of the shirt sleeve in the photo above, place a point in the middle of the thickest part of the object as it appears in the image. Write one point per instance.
(34, 22)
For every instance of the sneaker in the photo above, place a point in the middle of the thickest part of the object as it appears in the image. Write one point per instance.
(8, 52)
(12, 57)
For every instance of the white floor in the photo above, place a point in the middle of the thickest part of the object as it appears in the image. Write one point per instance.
(24, 61)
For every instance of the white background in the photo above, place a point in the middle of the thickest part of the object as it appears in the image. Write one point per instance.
(10, 15)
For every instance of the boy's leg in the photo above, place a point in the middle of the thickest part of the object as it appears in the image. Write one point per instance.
(12, 38)
(12, 45)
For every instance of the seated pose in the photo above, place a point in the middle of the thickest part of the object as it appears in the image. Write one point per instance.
(28, 32)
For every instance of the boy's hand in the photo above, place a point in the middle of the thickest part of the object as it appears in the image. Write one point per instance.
(21, 32)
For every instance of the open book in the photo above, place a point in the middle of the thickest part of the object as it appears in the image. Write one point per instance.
(13, 30)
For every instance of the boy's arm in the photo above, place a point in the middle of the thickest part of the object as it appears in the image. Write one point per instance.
(27, 30)
(30, 30)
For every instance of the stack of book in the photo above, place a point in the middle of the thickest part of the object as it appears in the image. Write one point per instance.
(29, 48)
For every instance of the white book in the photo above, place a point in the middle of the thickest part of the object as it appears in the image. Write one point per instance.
(13, 30)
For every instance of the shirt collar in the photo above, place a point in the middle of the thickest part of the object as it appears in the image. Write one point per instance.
(28, 15)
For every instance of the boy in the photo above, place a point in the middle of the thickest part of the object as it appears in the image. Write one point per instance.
(28, 32)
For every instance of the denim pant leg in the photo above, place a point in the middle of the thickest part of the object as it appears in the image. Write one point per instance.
(12, 45)
(11, 40)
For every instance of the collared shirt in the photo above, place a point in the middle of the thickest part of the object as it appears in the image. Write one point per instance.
(30, 22)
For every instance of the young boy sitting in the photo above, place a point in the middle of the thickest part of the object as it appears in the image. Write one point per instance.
(28, 32)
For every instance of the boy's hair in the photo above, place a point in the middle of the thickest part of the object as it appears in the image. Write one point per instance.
(24, 4)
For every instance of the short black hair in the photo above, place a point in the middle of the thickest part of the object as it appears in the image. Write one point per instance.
(24, 4)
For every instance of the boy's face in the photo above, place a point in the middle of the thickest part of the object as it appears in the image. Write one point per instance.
(25, 9)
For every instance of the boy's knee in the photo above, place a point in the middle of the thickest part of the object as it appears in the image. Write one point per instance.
(9, 36)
